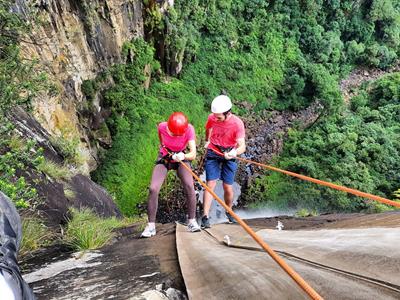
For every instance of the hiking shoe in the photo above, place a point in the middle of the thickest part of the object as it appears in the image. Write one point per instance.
(231, 219)
(205, 222)
(193, 226)
(10, 238)
(149, 231)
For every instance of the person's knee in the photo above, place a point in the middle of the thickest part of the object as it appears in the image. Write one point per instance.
(154, 189)
(228, 189)
(188, 188)
(211, 184)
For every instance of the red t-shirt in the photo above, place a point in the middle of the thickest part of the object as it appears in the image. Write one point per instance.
(225, 133)
(174, 143)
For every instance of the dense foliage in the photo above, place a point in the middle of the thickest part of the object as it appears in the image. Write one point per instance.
(358, 148)
(274, 54)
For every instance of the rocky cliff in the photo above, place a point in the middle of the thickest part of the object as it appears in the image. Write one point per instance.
(72, 190)
(74, 41)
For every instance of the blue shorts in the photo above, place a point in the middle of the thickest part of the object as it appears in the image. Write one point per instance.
(217, 167)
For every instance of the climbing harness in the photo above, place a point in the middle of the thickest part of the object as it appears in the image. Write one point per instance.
(167, 160)
(221, 149)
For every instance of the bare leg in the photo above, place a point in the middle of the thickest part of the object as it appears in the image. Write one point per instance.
(208, 197)
(228, 194)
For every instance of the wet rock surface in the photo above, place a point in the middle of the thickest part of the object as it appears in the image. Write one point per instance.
(129, 268)
(333, 221)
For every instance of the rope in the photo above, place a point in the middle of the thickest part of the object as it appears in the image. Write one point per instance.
(292, 273)
(320, 182)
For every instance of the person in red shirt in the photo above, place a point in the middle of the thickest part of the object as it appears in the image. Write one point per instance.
(175, 136)
(225, 134)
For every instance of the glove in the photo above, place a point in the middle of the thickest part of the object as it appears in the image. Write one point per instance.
(178, 156)
(231, 154)
(206, 144)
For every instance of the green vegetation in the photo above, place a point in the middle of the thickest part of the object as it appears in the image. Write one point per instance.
(302, 213)
(396, 194)
(67, 146)
(276, 55)
(19, 83)
(279, 54)
(358, 148)
(54, 170)
(69, 193)
(34, 235)
(16, 158)
(86, 230)
(126, 168)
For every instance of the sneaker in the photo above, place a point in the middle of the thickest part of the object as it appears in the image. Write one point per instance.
(231, 219)
(149, 231)
(193, 226)
(10, 239)
(205, 222)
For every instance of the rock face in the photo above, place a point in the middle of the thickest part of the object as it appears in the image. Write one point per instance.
(74, 41)
(265, 135)
(265, 138)
(77, 191)
(128, 268)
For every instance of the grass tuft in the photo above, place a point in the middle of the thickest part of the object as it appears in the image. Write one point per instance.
(86, 230)
(55, 170)
(34, 235)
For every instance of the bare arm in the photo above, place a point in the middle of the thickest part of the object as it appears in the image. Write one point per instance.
(241, 146)
(192, 151)
(208, 134)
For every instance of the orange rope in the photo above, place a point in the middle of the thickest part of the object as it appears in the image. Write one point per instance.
(292, 273)
(321, 182)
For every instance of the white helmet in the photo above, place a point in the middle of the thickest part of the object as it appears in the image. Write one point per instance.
(221, 104)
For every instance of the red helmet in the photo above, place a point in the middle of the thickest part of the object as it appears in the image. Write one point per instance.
(178, 123)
